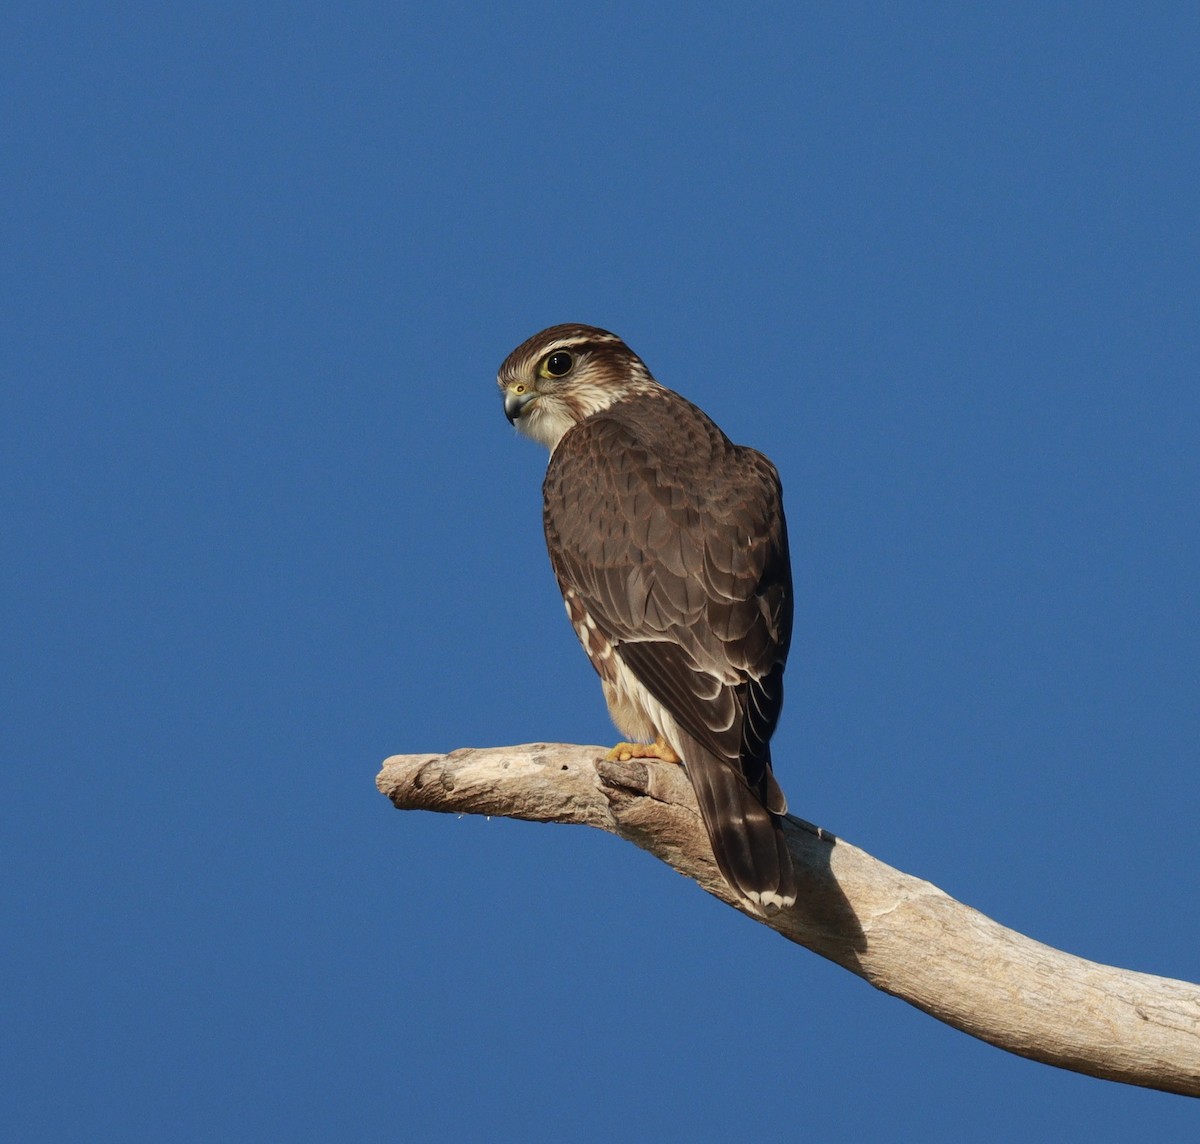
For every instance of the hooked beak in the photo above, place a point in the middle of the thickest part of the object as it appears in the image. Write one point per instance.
(514, 404)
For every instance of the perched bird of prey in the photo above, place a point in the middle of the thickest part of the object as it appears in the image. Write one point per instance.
(670, 547)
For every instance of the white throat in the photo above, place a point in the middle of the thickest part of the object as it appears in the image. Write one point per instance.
(549, 417)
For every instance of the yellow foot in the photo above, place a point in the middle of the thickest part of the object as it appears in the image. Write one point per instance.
(659, 749)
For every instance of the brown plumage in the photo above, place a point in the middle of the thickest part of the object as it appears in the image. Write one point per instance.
(670, 547)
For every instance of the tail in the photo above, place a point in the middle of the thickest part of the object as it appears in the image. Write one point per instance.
(747, 839)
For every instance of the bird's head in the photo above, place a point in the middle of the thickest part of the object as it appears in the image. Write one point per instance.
(564, 374)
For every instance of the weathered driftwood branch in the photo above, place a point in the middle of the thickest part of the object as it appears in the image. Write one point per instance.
(903, 935)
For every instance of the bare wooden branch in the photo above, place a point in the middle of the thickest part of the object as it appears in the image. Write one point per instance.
(902, 934)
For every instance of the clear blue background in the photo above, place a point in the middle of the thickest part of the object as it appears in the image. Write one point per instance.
(264, 524)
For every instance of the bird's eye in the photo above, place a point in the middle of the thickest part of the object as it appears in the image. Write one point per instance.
(558, 364)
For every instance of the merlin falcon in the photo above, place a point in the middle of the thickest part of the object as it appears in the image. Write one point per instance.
(670, 547)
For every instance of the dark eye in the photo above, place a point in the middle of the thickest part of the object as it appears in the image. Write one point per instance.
(559, 364)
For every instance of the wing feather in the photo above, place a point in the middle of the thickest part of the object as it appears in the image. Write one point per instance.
(674, 540)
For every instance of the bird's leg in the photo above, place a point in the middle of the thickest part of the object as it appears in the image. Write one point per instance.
(659, 749)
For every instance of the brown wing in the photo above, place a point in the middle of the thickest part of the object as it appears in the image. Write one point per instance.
(674, 540)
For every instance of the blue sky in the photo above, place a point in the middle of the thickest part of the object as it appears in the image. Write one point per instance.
(265, 525)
